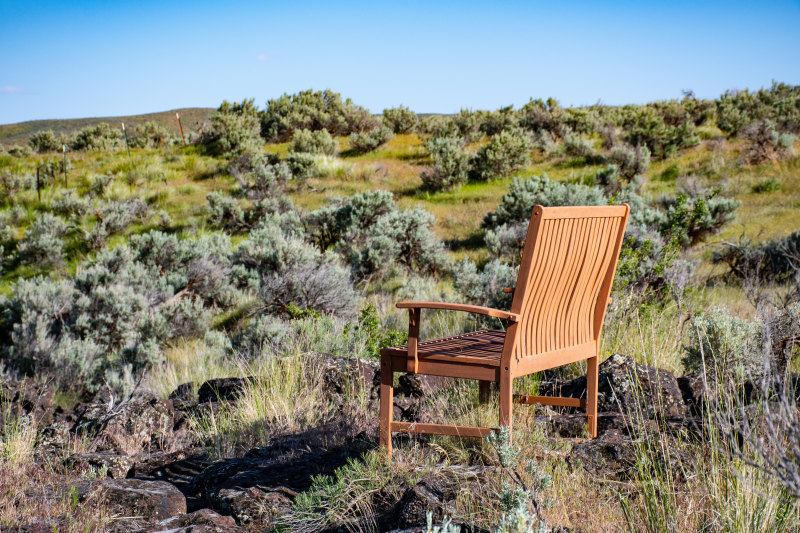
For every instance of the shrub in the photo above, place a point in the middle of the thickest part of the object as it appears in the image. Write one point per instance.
(630, 161)
(690, 219)
(150, 134)
(260, 176)
(451, 163)
(100, 184)
(313, 110)
(468, 123)
(577, 146)
(401, 238)
(301, 164)
(507, 240)
(313, 142)
(115, 217)
(43, 142)
(538, 115)
(643, 125)
(369, 140)
(485, 287)
(377, 336)
(232, 130)
(722, 345)
(12, 183)
(331, 224)
(439, 126)
(780, 103)
(503, 119)
(768, 185)
(775, 260)
(70, 205)
(400, 119)
(19, 151)
(582, 121)
(43, 243)
(98, 137)
(505, 153)
(523, 194)
(765, 143)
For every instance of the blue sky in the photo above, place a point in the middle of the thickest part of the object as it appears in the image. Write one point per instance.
(89, 58)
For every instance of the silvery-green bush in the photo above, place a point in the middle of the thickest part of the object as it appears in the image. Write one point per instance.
(400, 119)
(43, 242)
(329, 225)
(98, 137)
(451, 163)
(367, 141)
(723, 345)
(629, 160)
(506, 152)
(317, 142)
(232, 130)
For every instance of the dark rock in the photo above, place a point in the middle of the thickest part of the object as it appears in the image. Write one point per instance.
(26, 398)
(693, 390)
(184, 393)
(139, 423)
(347, 375)
(220, 389)
(141, 502)
(419, 385)
(201, 521)
(611, 455)
(625, 386)
(117, 466)
(418, 500)
(253, 505)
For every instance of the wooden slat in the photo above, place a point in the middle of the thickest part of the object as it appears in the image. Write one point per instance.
(488, 311)
(441, 429)
(558, 401)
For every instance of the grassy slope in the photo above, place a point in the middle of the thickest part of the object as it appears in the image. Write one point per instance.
(19, 133)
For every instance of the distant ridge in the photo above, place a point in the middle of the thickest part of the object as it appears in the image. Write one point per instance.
(19, 133)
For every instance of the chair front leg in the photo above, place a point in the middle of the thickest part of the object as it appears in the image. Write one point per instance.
(387, 404)
(506, 398)
(592, 383)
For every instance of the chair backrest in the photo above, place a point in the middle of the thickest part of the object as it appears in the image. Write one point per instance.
(565, 277)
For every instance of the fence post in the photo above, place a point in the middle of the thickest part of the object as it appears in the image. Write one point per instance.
(64, 149)
(38, 190)
(181, 127)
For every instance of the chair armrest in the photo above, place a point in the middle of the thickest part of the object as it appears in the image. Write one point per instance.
(488, 311)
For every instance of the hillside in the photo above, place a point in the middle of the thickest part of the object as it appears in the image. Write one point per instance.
(20, 132)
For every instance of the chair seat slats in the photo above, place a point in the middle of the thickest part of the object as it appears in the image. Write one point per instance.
(478, 347)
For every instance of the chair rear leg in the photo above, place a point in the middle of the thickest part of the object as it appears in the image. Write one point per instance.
(592, 376)
(387, 404)
(483, 391)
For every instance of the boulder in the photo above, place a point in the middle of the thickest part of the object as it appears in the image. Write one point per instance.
(116, 466)
(222, 389)
(201, 521)
(252, 506)
(140, 502)
(627, 387)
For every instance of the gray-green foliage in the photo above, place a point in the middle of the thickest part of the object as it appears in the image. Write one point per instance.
(538, 115)
(286, 270)
(506, 152)
(367, 141)
(43, 142)
(98, 137)
(780, 103)
(301, 164)
(451, 163)
(693, 217)
(494, 122)
(723, 345)
(108, 322)
(577, 146)
(644, 125)
(773, 260)
(313, 110)
(400, 238)
(260, 176)
(317, 142)
(12, 183)
(114, 217)
(43, 243)
(232, 130)
(70, 205)
(523, 194)
(230, 214)
(485, 287)
(333, 223)
(765, 142)
(150, 134)
(629, 160)
(400, 119)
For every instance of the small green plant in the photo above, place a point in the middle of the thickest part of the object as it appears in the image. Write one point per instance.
(377, 337)
(768, 185)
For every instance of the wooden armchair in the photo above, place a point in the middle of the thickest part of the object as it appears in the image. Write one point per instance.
(556, 316)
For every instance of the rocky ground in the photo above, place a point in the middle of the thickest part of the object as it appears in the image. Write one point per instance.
(154, 475)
